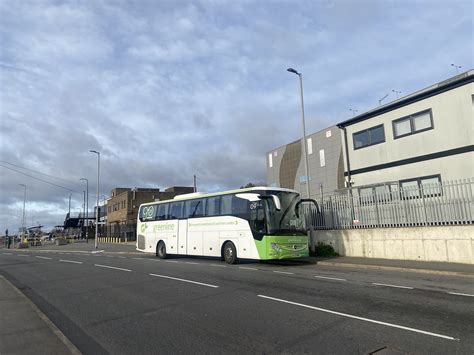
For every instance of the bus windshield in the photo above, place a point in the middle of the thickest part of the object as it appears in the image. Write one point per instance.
(284, 221)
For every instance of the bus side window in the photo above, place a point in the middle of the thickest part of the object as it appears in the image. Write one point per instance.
(197, 208)
(162, 212)
(176, 210)
(226, 205)
(240, 207)
(213, 206)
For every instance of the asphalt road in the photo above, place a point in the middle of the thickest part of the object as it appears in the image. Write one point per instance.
(125, 303)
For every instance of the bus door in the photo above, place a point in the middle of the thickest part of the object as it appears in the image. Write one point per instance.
(182, 236)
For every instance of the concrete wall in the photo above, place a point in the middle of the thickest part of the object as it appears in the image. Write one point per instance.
(443, 243)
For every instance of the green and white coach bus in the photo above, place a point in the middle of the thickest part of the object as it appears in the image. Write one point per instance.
(259, 223)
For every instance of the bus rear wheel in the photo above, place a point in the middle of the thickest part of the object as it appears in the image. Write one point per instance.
(161, 250)
(229, 253)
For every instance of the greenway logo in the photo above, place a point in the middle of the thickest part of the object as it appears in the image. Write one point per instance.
(163, 227)
(148, 212)
(143, 227)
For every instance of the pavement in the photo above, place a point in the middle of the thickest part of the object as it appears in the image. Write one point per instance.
(24, 329)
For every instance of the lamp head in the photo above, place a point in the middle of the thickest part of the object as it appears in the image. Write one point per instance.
(291, 70)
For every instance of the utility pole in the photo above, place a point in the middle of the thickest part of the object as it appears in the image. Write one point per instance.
(97, 208)
(70, 205)
(194, 181)
(87, 208)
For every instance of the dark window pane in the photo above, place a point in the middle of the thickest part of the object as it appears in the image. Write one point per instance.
(240, 207)
(213, 206)
(162, 212)
(226, 204)
(361, 139)
(176, 210)
(195, 208)
(377, 135)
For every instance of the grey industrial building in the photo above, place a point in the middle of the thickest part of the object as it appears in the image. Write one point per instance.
(285, 164)
(424, 137)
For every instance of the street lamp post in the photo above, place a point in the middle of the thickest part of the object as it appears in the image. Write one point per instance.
(87, 208)
(97, 209)
(70, 205)
(305, 141)
(291, 70)
(23, 227)
(457, 67)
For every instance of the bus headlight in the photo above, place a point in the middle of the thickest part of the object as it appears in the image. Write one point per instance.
(275, 246)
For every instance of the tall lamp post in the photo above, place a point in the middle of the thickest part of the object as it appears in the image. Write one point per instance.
(291, 70)
(23, 226)
(305, 141)
(97, 209)
(87, 208)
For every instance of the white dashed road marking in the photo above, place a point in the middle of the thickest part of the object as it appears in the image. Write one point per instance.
(183, 280)
(284, 272)
(112, 267)
(247, 268)
(388, 285)
(330, 278)
(70, 261)
(361, 318)
(44, 257)
(460, 294)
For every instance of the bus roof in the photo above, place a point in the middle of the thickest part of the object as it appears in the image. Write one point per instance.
(195, 195)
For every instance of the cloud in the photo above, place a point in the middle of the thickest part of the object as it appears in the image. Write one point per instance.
(166, 90)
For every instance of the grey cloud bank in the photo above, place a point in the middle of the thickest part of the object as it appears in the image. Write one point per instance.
(170, 89)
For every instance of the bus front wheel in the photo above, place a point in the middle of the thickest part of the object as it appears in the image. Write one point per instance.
(230, 254)
(161, 250)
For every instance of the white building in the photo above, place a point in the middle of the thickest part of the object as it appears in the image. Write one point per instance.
(424, 137)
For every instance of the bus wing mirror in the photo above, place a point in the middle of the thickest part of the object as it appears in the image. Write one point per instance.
(297, 206)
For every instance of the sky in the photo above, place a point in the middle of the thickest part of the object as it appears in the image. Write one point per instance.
(170, 89)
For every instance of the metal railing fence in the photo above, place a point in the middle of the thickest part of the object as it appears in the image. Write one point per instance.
(383, 206)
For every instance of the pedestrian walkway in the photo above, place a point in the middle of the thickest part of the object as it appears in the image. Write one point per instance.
(24, 329)
(439, 268)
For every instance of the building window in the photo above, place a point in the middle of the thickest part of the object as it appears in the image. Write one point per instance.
(430, 185)
(368, 137)
(322, 158)
(310, 146)
(416, 123)
(270, 160)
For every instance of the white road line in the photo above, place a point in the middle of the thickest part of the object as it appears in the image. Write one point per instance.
(109, 256)
(171, 261)
(22, 255)
(217, 265)
(183, 280)
(388, 285)
(361, 318)
(7, 253)
(330, 278)
(112, 267)
(71, 261)
(191, 263)
(460, 294)
(139, 258)
(43, 257)
(247, 268)
(284, 272)
(121, 257)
